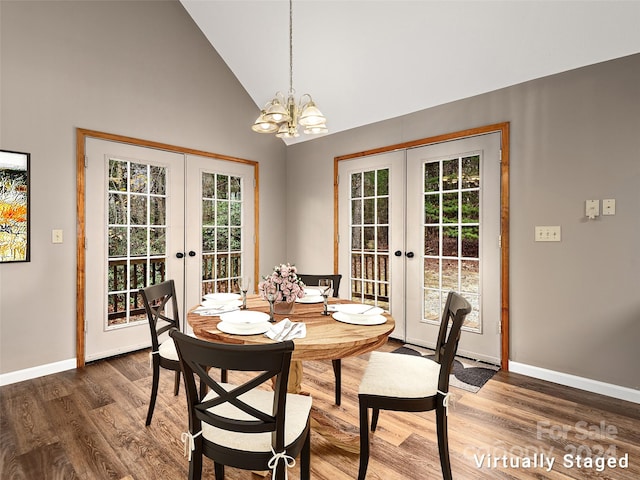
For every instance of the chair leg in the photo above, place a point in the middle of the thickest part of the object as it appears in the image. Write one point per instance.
(154, 391)
(364, 441)
(176, 385)
(337, 371)
(218, 471)
(305, 458)
(443, 442)
(223, 376)
(374, 419)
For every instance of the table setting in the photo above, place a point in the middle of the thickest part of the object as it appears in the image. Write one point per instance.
(358, 314)
(216, 304)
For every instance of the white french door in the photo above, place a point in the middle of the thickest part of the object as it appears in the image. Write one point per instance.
(453, 228)
(134, 208)
(417, 223)
(153, 215)
(220, 204)
(372, 232)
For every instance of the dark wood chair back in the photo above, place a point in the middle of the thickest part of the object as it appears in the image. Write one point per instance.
(454, 313)
(312, 280)
(156, 299)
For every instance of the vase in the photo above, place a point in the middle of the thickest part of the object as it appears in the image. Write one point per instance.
(283, 308)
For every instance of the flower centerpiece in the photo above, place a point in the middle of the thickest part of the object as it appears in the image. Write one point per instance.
(283, 285)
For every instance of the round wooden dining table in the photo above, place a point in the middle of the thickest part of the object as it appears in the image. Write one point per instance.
(326, 339)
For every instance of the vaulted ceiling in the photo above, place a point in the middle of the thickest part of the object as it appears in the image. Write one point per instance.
(367, 61)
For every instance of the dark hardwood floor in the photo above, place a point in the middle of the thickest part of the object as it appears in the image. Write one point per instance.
(89, 424)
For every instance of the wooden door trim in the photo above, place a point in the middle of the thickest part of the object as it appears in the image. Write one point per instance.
(81, 136)
(503, 129)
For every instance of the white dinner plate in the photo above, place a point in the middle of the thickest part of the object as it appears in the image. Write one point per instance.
(310, 299)
(312, 292)
(358, 310)
(221, 297)
(244, 329)
(364, 320)
(244, 317)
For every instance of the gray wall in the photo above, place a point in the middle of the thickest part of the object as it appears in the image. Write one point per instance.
(575, 305)
(141, 69)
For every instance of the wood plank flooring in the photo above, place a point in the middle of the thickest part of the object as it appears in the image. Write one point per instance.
(89, 424)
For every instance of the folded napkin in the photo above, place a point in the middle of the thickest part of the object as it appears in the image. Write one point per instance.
(212, 311)
(287, 330)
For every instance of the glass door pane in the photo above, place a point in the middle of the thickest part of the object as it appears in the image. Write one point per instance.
(451, 193)
(136, 237)
(222, 232)
(370, 272)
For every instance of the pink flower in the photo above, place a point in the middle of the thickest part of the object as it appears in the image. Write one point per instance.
(283, 282)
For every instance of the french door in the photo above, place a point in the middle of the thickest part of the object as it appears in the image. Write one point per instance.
(435, 228)
(220, 235)
(153, 215)
(453, 219)
(372, 235)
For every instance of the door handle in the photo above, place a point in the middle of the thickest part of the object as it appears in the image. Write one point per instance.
(409, 254)
(398, 253)
(179, 255)
(192, 253)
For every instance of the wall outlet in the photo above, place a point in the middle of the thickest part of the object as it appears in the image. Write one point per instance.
(609, 206)
(548, 234)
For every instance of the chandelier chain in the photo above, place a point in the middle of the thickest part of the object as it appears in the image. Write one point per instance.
(290, 45)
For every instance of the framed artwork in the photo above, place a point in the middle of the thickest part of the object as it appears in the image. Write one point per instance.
(14, 206)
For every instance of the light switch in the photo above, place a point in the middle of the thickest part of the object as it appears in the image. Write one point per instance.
(548, 234)
(609, 206)
(56, 236)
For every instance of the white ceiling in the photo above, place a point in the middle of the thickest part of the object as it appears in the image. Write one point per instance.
(367, 61)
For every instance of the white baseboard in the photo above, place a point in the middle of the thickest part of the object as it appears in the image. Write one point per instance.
(594, 386)
(35, 372)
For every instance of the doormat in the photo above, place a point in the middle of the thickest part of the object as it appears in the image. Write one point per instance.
(467, 374)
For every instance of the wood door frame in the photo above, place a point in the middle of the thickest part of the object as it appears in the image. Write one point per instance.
(81, 136)
(502, 128)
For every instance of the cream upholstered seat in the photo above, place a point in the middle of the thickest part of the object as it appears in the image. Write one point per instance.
(167, 349)
(255, 425)
(413, 384)
(387, 373)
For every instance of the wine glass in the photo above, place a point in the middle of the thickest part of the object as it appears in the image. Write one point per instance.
(326, 289)
(244, 283)
(271, 298)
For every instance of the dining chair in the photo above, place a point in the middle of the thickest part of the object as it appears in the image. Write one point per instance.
(311, 280)
(156, 299)
(410, 383)
(244, 425)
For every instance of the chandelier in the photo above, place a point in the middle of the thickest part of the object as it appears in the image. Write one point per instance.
(283, 115)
